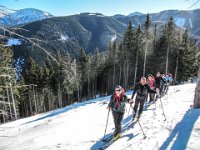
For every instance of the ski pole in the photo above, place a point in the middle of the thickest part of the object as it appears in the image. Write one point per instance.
(129, 109)
(162, 109)
(141, 128)
(155, 99)
(106, 122)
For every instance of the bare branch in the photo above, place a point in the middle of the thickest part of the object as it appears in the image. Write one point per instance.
(17, 28)
(195, 3)
(5, 75)
(6, 8)
(2, 102)
(31, 41)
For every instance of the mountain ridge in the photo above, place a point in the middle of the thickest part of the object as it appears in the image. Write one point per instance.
(24, 16)
(93, 30)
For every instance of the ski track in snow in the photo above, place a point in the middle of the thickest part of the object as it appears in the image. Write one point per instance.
(82, 125)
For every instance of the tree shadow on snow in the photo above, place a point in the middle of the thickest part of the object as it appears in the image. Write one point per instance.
(180, 135)
(68, 108)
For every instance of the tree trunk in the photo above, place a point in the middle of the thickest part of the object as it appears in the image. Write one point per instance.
(197, 93)
(136, 66)
(108, 85)
(88, 80)
(30, 103)
(10, 109)
(120, 75)
(167, 57)
(124, 71)
(177, 57)
(145, 57)
(80, 92)
(13, 101)
(127, 73)
(78, 95)
(35, 101)
(59, 96)
(176, 68)
(114, 75)
(95, 86)
(4, 110)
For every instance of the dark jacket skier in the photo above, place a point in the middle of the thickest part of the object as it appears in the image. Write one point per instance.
(117, 105)
(159, 82)
(141, 90)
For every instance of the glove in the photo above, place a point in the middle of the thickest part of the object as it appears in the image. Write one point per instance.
(131, 101)
(109, 108)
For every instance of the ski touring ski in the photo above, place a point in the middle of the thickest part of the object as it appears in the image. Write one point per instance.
(109, 140)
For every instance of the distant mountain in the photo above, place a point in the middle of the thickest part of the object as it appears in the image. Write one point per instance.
(70, 33)
(135, 14)
(24, 16)
(1, 15)
(90, 31)
(182, 18)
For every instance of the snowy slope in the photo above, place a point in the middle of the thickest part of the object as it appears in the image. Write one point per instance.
(81, 126)
(24, 16)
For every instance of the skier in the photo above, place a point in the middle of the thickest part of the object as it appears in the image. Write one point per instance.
(159, 81)
(141, 89)
(151, 83)
(117, 105)
(170, 79)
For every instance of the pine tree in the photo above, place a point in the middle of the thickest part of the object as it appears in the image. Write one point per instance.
(178, 54)
(82, 62)
(129, 53)
(188, 68)
(7, 80)
(120, 63)
(138, 49)
(32, 73)
(171, 44)
(148, 38)
(197, 93)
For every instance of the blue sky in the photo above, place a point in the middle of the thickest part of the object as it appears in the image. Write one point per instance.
(107, 7)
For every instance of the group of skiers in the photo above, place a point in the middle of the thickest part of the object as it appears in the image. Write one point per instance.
(152, 86)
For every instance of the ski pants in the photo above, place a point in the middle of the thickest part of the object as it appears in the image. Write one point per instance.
(117, 116)
(139, 100)
(151, 95)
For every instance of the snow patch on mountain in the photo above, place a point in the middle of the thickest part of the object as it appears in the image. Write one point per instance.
(1, 15)
(113, 38)
(13, 41)
(18, 65)
(190, 21)
(179, 21)
(64, 37)
(96, 14)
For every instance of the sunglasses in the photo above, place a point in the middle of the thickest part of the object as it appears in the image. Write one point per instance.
(117, 90)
